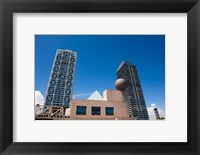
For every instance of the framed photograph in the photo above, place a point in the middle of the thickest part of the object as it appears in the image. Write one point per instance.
(104, 77)
(114, 91)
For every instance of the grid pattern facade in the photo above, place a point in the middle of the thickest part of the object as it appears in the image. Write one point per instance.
(59, 90)
(133, 93)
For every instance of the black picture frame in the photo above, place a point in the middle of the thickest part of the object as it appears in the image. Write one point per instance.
(8, 7)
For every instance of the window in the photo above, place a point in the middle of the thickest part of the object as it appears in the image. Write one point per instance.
(109, 111)
(81, 110)
(96, 110)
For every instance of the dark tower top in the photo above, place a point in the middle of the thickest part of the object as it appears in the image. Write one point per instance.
(156, 113)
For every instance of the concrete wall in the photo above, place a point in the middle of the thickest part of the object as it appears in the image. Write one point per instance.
(113, 99)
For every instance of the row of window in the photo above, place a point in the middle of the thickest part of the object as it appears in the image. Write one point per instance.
(81, 110)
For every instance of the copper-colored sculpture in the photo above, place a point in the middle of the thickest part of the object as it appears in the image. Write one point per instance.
(121, 84)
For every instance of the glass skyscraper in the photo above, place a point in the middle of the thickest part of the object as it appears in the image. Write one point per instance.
(59, 90)
(133, 94)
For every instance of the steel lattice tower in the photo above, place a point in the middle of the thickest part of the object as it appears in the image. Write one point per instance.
(60, 86)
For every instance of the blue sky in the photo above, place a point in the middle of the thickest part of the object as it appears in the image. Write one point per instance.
(99, 56)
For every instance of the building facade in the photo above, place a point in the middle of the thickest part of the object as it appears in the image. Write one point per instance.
(111, 107)
(133, 94)
(60, 86)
